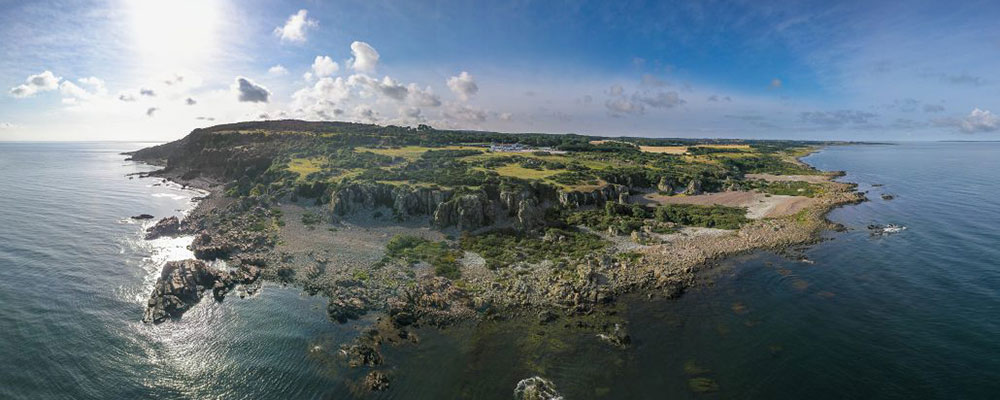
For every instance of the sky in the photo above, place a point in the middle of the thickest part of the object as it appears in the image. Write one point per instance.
(138, 70)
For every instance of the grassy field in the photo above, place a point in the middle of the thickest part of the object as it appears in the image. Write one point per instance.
(412, 152)
(305, 166)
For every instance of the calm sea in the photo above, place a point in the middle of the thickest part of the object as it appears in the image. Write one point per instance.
(912, 315)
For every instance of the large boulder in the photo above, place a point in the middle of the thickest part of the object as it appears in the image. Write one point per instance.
(179, 287)
(182, 283)
(169, 226)
(466, 212)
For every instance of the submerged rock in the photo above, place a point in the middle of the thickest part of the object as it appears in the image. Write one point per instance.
(377, 381)
(886, 196)
(536, 388)
(142, 216)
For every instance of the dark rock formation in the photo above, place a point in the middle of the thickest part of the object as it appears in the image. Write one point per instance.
(182, 283)
(886, 196)
(169, 226)
(467, 212)
(377, 381)
(664, 185)
(143, 216)
(693, 188)
(594, 198)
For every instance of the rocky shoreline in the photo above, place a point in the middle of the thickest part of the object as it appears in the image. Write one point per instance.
(247, 234)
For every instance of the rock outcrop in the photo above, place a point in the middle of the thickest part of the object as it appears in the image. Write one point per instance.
(593, 198)
(693, 188)
(182, 283)
(169, 226)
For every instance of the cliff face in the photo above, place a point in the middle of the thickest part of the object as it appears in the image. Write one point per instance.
(522, 208)
(215, 155)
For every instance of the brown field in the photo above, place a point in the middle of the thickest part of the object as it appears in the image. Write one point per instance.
(665, 149)
(758, 205)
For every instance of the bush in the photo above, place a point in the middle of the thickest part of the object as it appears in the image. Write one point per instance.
(414, 249)
(705, 216)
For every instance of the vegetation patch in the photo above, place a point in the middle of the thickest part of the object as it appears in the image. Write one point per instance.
(503, 248)
(714, 216)
(413, 249)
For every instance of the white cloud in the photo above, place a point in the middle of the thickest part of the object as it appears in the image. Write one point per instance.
(295, 27)
(463, 86)
(147, 92)
(365, 57)
(7, 125)
(506, 116)
(67, 88)
(365, 113)
(423, 97)
(980, 121)
(277, 70)
(189, 101)
(126, 97)
(659, 99)
(42, 82)
(463, 113)
(96, 84)
(150, 111)
(324, 66)
(248, 91)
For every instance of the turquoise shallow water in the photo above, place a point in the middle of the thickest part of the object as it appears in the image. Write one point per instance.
(913, 315)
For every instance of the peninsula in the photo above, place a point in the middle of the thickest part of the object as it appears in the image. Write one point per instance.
(431, 227)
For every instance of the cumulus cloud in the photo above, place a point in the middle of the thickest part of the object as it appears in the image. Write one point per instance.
(6, 125)
(365, 57)
(836, 119)
(277, 70)
(190, 101)
(324, 66)
(248, 91)
(365, 113)
(616, 90)
(96, 84)
(463, 113)
(43, 82)
(411, 113)
(68, 88)
(979, 121)
(506, 116)
(295, 27)
(463, 86)
(423, 97)
(387, 87)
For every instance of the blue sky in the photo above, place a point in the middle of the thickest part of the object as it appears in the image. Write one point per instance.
(148, 70)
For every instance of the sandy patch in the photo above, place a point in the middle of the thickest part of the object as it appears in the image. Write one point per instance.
(790, 178)
(758, 205)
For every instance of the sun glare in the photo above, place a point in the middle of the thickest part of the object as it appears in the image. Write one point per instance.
(173, 35)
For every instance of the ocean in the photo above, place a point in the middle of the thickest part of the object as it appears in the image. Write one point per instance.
(910, 315)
